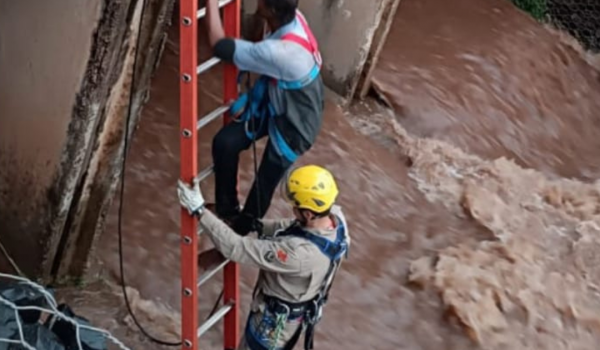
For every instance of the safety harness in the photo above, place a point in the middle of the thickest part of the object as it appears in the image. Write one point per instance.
(254, 106)
(278, 312)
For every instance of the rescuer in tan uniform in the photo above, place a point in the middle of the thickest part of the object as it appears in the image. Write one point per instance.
(297, 258)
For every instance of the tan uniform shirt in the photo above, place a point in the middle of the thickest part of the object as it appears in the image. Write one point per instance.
(292, 268)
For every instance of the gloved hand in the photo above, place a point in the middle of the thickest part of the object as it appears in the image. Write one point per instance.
(190, 197)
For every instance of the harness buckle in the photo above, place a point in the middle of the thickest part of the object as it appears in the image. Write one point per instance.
(318, 311)
(279, 308)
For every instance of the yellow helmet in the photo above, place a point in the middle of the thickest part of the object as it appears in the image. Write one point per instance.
(311, 187)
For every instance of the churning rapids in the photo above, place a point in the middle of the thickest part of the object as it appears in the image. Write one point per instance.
(473, 203)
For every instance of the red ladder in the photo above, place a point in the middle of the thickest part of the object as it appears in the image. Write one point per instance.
(190, 71)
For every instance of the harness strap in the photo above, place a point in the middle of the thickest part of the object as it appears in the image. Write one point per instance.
(296, 310)
(282, 147)
(311, 45)
(255, 102)
(294, 339)
(312, 309)
(311, 38)
(293, 37)
(333, 250)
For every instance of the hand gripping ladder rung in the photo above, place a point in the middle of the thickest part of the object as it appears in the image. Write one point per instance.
(190, 72)
(208, 64)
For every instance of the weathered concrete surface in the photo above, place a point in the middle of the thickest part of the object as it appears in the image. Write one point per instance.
(58, 64)
(345, 30)
(379, 39)
(44, 50)
(89, 208)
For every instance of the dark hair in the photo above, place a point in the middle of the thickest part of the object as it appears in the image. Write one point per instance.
(319, 215)
(283, 10)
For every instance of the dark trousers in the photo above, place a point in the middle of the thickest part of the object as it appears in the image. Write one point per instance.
(227, 145)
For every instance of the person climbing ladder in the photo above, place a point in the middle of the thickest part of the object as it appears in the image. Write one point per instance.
(298, 258)
(286, 104)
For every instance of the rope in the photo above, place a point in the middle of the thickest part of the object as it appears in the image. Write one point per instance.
(12, 263)
(279, 326)
(254, 156)
(51, 309)
(122, 194)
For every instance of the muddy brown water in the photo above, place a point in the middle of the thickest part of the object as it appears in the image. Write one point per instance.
(487, 78)
(499, 257)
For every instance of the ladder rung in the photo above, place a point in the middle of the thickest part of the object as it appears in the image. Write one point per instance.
(214, 319)
(209, 274)
(206, 65)
(212, 116)
(205, 173)
(202, 11)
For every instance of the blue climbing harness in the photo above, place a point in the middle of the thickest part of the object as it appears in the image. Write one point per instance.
(333, 250)
(254, 106)
(277, 312)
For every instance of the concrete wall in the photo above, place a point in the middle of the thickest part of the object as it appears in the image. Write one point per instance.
(345, 30)
(44, 50)
(59, 61)
(89, 208)
(363, 86)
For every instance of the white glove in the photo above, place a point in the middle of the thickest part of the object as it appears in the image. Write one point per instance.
(190, 197)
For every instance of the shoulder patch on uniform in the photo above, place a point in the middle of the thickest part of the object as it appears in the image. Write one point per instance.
(269, 256)
(282, 255)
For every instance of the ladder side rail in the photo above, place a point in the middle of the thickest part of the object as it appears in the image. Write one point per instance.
(188, 61)
(231, 274)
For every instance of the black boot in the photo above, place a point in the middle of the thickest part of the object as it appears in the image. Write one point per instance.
(228, 217)
(245, 223)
